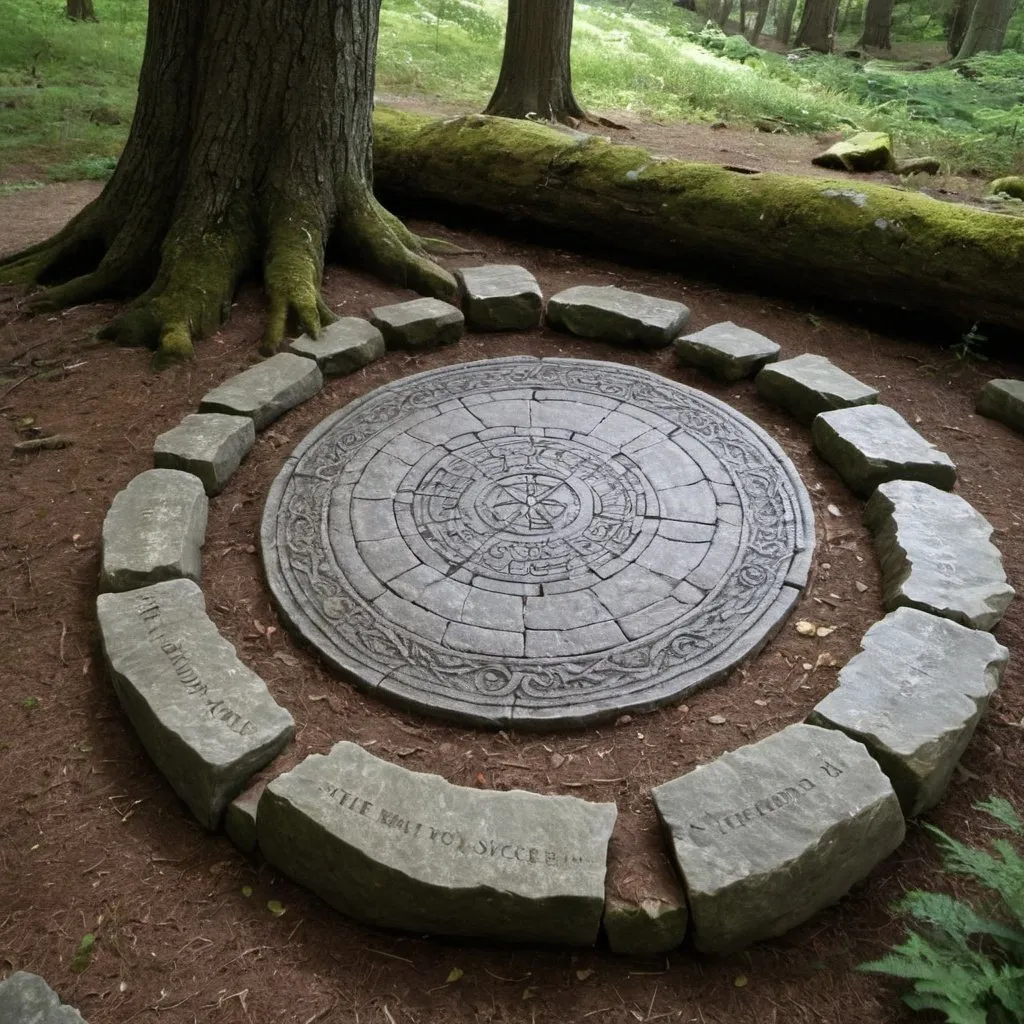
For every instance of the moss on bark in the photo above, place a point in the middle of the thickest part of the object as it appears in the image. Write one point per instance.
(845, 240)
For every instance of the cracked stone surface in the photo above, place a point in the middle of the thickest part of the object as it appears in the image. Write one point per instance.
(419, 325)
(913, 697)
(500, 298)
(1003, 400)
(808, 384)
(27, 999)
(207, 721)
(726, 351)
(267, 390)
(767, 835)
(154, 530)
(347, 345)
(869, 445)
(936, 554)
(210, 446)
(403, 849)
(617, 316)
(536, 542)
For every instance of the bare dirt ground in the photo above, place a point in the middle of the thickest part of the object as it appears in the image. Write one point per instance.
(92, 839)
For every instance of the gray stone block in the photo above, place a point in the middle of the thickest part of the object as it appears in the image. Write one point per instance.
(154, 530)
(808, 384)
(913, 697)
(207, 721)
(1003, 400)
(27, 999)
(871, 444)
(767, 835)
(210, 446)
(727, 352)
(345, 346)
(267, 390)
(240, 818)
(500, 298)
(646, 928)
(935, 554)
(400, 849)
(617, 316)
(418, 325)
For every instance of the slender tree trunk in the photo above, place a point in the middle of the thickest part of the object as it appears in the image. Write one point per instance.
(743, 17)
(818, 25)
(80, 10)
(877, 25)
(987, 28)
(723, 13)
(536, 74)
(784, 27)
(959, 18)
(762, 14)
(250, 149)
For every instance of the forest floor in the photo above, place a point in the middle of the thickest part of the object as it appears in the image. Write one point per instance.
(93, 840)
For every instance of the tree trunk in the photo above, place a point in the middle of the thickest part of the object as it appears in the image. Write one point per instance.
(818, 25)
(80, 10)
(250, 148)
(536, 75)
(877, 24)
(987, 28)
(723, 13)
(959, 18)
(755, 31)
(843, 240)
(784, 28)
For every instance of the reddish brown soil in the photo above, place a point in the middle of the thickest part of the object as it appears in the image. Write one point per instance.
(93, 840)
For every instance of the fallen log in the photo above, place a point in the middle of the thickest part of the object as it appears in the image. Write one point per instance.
(844, 240)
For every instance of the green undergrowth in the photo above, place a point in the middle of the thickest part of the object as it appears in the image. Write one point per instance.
(67, 90)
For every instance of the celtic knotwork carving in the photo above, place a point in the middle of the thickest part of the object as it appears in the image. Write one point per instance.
(535, 540)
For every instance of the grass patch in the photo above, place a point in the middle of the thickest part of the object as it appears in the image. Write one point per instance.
(68, 88)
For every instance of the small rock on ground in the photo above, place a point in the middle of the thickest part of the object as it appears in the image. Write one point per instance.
(935, 554)
(154, 530)
(500, 298)
(913, 697)
(419, 325)
(871, 444)
(616, 316)
(1003, 400)
(347, 345)
(729, 353)
(210, 446)
(27, 999)
(267, 390)
(865, 151)
(808, 384)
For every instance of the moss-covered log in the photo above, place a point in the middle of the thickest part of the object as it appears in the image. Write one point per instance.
(847, 240)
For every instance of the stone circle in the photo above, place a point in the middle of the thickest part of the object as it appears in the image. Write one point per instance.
(538, 542)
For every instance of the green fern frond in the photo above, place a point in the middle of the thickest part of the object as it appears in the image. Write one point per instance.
(1003, 811)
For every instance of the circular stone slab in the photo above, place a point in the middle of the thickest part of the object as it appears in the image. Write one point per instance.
(536, 542)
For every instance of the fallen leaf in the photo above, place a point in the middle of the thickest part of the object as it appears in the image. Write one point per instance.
(286, 659)
(717, 720)
(806, 628)
(83, 955)
(825, 659)
(824, 631)
(807, 666)
(246, 891)
(454, 975)
(276, 908)
(740, 981)
(834, 510)
(861, 587)
(761, 703)
(529, 993)
(556, 760)
(584, 974)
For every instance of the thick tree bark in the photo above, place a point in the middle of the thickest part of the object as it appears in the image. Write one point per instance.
(761, 16)
(536, 74)
(877, 25)
(250, 149)
(784, 27)
(80, 10)
(818, 25)
(723, 13)
(959, 19)
(842, 240)
(986, 31)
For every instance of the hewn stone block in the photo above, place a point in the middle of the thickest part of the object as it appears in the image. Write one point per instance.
(210, 446)
(617, 316)
(500, 298)
(347, 345)
(1003, 400)
(729, 353)
(419, 325)
(267, 390)
(808, 384)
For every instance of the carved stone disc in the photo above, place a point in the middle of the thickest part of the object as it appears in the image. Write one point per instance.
(538, 543)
